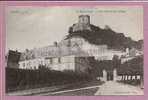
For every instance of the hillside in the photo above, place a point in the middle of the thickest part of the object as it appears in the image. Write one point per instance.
(106, 36)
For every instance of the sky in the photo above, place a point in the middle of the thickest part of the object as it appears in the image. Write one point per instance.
(34, 27)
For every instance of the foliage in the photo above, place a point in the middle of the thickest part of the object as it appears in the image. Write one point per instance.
(132, 67)
(106, 36)
(17, 79)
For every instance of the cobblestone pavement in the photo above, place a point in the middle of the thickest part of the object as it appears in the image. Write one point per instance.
(115, 88)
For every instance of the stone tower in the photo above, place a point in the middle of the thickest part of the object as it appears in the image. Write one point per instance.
(84, 19)
(83, 23)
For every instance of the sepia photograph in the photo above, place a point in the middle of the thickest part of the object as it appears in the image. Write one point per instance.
(74, 50)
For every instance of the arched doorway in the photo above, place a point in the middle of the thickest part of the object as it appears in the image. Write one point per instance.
(110, 76)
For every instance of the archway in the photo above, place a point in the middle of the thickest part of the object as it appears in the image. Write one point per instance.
(110, 76)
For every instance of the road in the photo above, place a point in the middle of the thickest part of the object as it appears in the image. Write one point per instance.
(89, 87)
(108, 88)
(86, 89)
(115, 88)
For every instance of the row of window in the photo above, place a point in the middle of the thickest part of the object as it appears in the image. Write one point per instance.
(51, 60)
(41, 62)
(46, 61)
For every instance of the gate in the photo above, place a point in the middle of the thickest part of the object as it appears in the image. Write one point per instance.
(109, 75)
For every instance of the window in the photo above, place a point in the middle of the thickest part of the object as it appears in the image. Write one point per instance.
(23, 64)
(35, 67)
(50, 60)
(59, 60)
(28, 64)
(41, 62)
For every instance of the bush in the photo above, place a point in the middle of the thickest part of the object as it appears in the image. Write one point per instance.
(17, 79)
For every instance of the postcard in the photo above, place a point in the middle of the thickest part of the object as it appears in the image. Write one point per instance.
(73, 50)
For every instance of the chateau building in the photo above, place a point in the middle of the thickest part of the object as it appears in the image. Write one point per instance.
(72, 63)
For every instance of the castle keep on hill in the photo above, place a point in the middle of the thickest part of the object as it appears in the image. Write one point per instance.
(83, 23)
(72, 53)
